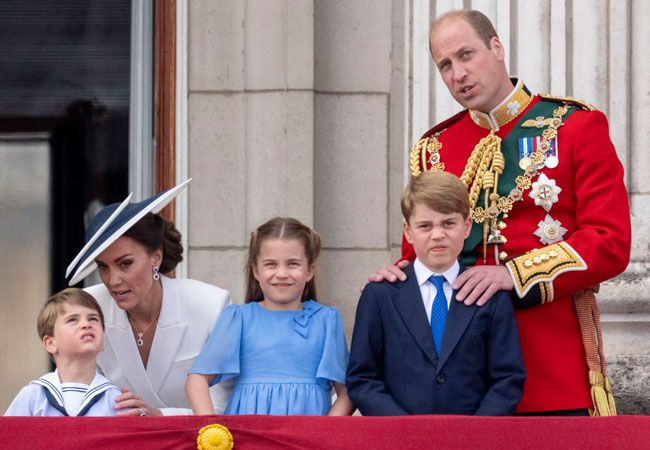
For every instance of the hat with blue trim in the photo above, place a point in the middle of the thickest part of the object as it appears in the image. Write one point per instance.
(112, 222)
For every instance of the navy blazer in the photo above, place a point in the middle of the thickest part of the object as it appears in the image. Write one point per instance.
(394, 368)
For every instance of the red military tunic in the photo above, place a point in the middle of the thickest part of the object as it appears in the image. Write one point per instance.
(594, 220)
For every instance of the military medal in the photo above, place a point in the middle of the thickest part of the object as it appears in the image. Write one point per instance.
(552, 153)
(549, 230)
(545, 192)
(531, 144)
(524, 153)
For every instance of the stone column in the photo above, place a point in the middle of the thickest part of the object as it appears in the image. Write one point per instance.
(625, 301)
(250, 128)
(351, 155)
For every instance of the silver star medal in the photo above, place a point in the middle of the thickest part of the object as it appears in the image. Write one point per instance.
(544, 191)
(550, 230)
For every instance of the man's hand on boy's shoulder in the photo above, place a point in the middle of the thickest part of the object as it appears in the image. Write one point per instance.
(479, 283)
(475, 285)
(391, 272)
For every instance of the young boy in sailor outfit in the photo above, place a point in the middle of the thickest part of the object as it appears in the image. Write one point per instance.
(71, 326)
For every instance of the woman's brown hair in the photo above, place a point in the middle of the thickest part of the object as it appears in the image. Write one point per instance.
(156, 233)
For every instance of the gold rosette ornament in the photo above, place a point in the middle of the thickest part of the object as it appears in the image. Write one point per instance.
(214, 437)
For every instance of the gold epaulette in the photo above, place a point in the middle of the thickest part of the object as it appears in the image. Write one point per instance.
(568, 100)
(543, 265)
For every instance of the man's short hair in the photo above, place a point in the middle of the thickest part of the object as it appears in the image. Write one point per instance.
(476, 19)
(55, 306)
(440, 191)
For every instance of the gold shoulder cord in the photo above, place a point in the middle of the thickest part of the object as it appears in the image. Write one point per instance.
(417, 152)
(418, 155)
(482, 171)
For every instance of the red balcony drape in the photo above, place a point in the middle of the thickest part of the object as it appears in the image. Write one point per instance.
(274, 432)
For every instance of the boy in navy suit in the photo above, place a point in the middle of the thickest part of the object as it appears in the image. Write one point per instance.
(415, 350)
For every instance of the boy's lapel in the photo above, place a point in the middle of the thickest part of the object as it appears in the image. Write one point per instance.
(408, 301)
(458, 318)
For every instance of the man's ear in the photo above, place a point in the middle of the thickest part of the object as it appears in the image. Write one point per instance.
(407, 231)
(497, 48)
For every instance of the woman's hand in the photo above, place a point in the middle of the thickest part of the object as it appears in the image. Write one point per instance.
(131, 404)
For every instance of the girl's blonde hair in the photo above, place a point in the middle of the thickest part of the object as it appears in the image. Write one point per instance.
(281, 228)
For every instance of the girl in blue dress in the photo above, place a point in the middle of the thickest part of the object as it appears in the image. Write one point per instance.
(284, 350)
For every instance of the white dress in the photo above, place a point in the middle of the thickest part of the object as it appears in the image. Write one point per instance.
(189, 310)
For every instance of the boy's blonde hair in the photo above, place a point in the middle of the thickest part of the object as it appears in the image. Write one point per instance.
(440, 191)
(54, 307)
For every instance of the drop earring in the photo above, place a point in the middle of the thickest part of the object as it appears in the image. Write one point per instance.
(156, 273)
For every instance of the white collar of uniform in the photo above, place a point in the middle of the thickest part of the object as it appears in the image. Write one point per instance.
(422, 272)
(52, 383)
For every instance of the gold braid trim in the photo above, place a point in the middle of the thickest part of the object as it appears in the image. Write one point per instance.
(482, 171)
(478, 164)
(543, 265)
(592, 339)
(546, 292)
(418, 155)
(414, 156)
(569, 100)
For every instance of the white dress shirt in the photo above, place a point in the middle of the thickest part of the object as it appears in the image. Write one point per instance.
(428, 290)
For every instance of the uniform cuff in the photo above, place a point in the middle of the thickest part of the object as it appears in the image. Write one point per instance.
(537, 295)
(543, 265)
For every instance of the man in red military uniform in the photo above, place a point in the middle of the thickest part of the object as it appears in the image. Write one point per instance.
(550, 210)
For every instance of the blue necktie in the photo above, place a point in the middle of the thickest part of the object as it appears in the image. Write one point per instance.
(438, 311)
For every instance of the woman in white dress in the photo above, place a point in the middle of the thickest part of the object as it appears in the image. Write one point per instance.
(155, 325)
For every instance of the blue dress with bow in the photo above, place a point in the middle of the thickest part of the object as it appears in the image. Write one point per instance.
(284, 362)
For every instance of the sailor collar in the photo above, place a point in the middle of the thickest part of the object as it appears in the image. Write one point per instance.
(54, 392)
(505, 111)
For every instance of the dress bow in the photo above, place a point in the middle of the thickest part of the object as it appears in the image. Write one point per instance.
(301, 321)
